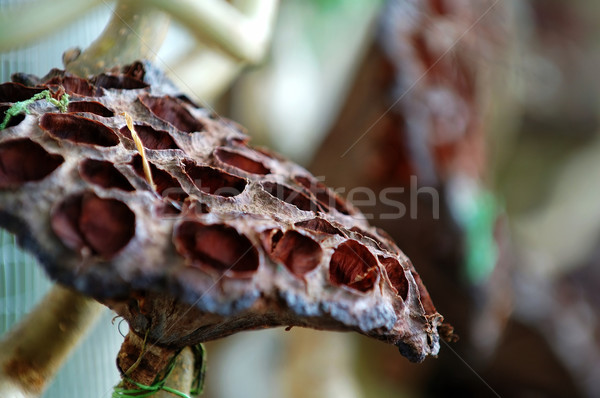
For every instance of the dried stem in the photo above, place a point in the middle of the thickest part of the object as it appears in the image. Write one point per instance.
(243, 33)
(134, 32)
(240, 32)
(205, 74)
(141, 361)
(145, 363)
(33, 351)
(243, 36)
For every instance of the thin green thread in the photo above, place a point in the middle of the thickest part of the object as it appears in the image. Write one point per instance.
(199, 368)
(143, 390)
(21, 106)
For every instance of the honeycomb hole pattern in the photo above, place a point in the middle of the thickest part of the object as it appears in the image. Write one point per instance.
(300, 254)
(75, 86)
(135, 70)
(15, 92)
(14, 121)
(78, 129)
(395, 273)
(23, 160)
(103, 226)
(151, 138)
(166, 185)
(424, 295)
(241, 162)
(172, 111)
(216, 246)
(353, 265)
(89, 107)
(120, 82)
(272, 231)
(387, 241)
(268, 153)
(374, 239)
(214, 181)
(326, 198)
(319, 225)
(103, 173)
(291, 196)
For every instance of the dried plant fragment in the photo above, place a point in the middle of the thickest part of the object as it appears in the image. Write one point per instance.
(140, 148)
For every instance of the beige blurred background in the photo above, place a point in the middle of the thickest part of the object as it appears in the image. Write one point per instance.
(529, 325)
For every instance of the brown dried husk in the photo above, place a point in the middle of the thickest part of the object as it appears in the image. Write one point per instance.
(231, 238)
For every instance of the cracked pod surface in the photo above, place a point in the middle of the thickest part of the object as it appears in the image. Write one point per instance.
(225, 237)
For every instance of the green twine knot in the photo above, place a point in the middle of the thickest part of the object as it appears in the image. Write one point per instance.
(21, 106)
(143, 390)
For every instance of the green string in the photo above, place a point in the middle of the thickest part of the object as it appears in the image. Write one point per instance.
(21, 106)
(143, 390)
(199, 369)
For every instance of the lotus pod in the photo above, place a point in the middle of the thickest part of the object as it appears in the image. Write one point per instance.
(198, 235)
